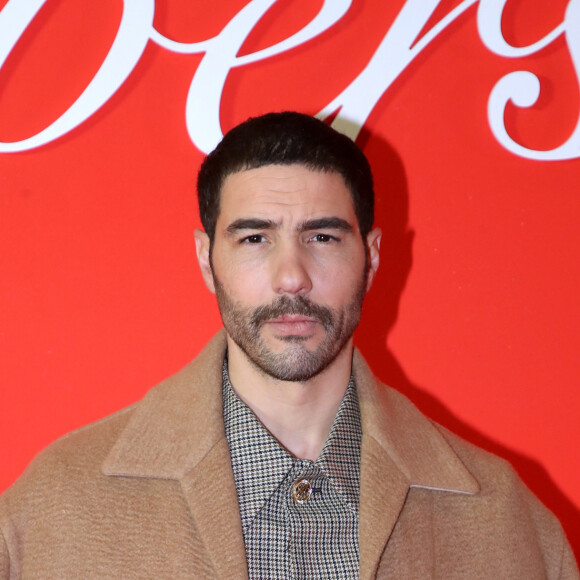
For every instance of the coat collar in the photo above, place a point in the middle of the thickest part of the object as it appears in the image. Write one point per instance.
(413, 443)
(176, 424)
(177, 432)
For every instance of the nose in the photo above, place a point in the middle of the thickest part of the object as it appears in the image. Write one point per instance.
(289, 270)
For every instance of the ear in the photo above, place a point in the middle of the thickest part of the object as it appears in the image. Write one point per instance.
(202, 246)
(373, 247)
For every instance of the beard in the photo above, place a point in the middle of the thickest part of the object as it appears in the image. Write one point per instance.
(295, 362)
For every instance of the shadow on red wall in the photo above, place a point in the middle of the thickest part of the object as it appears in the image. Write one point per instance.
(380, 315)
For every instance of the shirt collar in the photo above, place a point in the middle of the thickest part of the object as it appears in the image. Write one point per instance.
(260, 464)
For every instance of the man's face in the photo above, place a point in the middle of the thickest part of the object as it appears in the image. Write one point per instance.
(288, 267)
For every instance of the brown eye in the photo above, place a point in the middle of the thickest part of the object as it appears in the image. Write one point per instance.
(253, 239)
(324, 238)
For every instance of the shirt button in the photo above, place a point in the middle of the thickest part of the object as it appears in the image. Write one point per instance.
(301, 490)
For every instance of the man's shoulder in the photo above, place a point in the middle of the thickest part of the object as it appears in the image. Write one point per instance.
(80, 451)
(503, 501)
(394, 420)
(83, 451)
(169, 409)
(176, 396)
(428, 452)
(494, 474)
(501, 488)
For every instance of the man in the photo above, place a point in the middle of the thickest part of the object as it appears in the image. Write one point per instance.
(276, 453)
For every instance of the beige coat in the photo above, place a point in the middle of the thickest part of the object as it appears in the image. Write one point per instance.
(149, 493)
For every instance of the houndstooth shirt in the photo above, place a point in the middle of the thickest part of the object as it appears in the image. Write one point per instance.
(299, 518)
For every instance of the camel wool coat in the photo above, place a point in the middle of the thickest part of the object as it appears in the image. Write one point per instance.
(149, 493)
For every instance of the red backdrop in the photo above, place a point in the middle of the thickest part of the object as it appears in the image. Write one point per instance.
(474, 313)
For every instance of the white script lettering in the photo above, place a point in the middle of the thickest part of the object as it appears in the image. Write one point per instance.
(125, 52)
(395, 53)
(523, 87)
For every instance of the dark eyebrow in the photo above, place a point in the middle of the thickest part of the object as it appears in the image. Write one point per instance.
(327, 223)
(250, 224)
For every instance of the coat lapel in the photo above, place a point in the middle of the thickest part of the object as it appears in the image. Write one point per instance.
(383, 490)
(177, 432)
(211, 495)
(400, 449)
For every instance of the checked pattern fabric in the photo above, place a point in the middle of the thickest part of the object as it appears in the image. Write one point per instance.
(299, 518)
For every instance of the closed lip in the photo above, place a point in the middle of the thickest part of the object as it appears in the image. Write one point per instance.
(292, 318)
(293, 324)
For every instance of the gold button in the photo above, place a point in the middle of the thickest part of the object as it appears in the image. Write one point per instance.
(302, 490)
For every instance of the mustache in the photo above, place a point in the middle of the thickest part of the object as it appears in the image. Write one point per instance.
(286, 305)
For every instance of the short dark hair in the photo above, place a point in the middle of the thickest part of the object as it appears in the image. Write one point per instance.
(283, 139)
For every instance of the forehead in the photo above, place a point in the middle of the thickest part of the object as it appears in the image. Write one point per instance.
(287, 190)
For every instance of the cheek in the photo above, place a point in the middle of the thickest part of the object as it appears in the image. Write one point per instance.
(337, 287)
(244, 283)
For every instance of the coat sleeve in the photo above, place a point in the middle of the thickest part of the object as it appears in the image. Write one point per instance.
(569, 568)
(4, 559)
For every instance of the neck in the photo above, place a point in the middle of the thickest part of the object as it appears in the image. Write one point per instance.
(298, 414)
